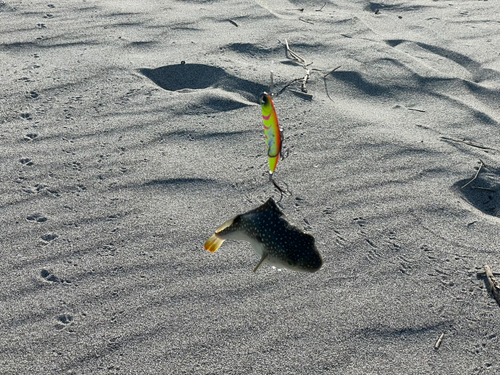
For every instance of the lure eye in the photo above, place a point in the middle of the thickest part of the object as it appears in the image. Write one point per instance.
(263, 99)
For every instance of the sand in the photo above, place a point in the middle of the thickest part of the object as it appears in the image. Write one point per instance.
(130, 132)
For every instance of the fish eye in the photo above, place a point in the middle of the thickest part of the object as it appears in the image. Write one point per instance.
(290, 263)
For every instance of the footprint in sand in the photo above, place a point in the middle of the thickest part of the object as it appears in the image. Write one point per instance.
(40, 189)
(47, 276)
(51, 278)
(26, 161)
(37, 218)
(76, 166)
(64, 321)
(30, 136)
(47, 238)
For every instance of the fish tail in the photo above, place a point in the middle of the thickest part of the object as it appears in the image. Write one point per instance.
(213, 243)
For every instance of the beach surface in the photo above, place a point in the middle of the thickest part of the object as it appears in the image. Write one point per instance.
(131, 130)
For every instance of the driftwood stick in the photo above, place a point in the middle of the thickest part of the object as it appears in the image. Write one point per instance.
(301, 61)
(482, 188)
(331, 71)
(477, 174)
(271, 87)
(306, 21)
(303, 94)
(320, 9)
(295, 56)
(439, 341)
(288, 84)
(304, 81)
(483, 274)
(493, 285)
(468, 143)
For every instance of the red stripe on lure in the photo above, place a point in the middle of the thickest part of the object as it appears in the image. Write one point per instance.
(271, 130)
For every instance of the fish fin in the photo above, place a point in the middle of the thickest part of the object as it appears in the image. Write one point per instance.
(213, 243)
(225, 225)
(262, 260)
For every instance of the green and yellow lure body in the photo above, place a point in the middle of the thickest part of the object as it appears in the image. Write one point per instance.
(272, 130)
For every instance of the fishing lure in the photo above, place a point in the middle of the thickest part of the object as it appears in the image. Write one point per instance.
(274, 136)
(272, 131)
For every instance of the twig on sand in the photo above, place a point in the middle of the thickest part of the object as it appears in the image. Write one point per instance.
(483, 188)
(302, 93)
(493, 285)
(439, 341)
(304, 81)
(468, 143)
(477, 174)
(288, 84)
(295, 56)
(306, 21)
(320, 9)
(271, 87)
(300, 60)
(324, 81)
(483, 274)
(331, 71)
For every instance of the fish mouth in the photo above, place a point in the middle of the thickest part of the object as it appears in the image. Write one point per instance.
(316, 268)
(308, 269)
(316, 265)
(311, 265)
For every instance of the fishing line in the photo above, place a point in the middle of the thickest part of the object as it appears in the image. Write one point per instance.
(283, 192)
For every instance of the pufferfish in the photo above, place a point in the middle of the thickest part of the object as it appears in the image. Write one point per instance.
(276, 241)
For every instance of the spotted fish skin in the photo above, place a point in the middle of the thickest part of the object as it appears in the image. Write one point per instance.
(272, 237)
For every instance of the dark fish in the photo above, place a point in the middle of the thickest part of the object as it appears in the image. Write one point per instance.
(272, 237)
